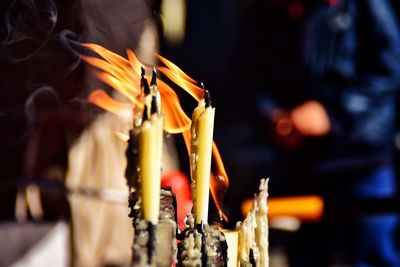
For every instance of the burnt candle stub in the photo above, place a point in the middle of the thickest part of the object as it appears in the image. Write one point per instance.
(131, 153)
(155, 245)
(202, 245)
(253, 231)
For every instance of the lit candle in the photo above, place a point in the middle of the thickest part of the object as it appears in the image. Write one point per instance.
(202, 136)
(150, 154)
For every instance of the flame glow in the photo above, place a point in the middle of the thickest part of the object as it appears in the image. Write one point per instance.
(123, 137)
(123, 76)
(103, 100)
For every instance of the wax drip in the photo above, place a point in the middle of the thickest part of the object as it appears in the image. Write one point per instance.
(204, 256)
(224, 251)
(151, 242)
(131, 154)
(132, 200)
(252, 260)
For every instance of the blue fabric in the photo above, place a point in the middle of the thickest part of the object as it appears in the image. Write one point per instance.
(375, 243)
(367, 240)
(347, 56)
(380, 182)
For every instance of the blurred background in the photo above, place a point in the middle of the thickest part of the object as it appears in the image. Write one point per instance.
(305, 93)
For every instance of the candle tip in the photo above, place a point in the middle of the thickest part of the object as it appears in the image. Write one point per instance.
(154, 77)
(144, 84)
(207, 98)
(143, 72)
(252, 260)
(146, 87)
(154, 108)
(145, 114)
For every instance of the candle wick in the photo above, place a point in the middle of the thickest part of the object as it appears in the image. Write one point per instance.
(154, 78)
(207, 98)
(206, 95)
(146, 87)
(154, 108)
(252, 260)
(145, 114)
(143, 72)
(144, 84)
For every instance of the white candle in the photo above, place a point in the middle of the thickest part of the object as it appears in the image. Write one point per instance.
(202, 136)
(253, 232)
(232, 239)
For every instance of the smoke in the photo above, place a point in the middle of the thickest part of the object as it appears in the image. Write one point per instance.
(39, 59)
(29, 25)
(41, 71)
(33, 43)
(43, 100)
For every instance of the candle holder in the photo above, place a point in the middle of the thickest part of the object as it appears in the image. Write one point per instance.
(155, 245)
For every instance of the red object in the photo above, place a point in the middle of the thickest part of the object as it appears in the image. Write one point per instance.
(332, 2)
(181, 187)
(296, 10)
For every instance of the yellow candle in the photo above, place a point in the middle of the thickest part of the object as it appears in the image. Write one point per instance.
(194, 144)
(203, 120)
(150, 167)
(158, 122)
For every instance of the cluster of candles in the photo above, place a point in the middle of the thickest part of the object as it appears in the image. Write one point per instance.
(149, 128)
(146, 137)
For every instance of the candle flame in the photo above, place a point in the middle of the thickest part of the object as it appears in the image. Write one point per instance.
(103, 100)
(123, 137)
(124, 76)
(219, 180)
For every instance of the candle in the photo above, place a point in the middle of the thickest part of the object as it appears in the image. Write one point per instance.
(150, 154)
(202, 136)
(253, 232)
(147, 172)
(232, 239)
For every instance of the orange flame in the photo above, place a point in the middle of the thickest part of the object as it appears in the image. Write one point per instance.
(103, 100)
(123, 75)
(122, 137)
(219, 180)
(176, 75)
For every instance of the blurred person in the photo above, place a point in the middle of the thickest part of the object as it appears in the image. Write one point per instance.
(319, 81)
